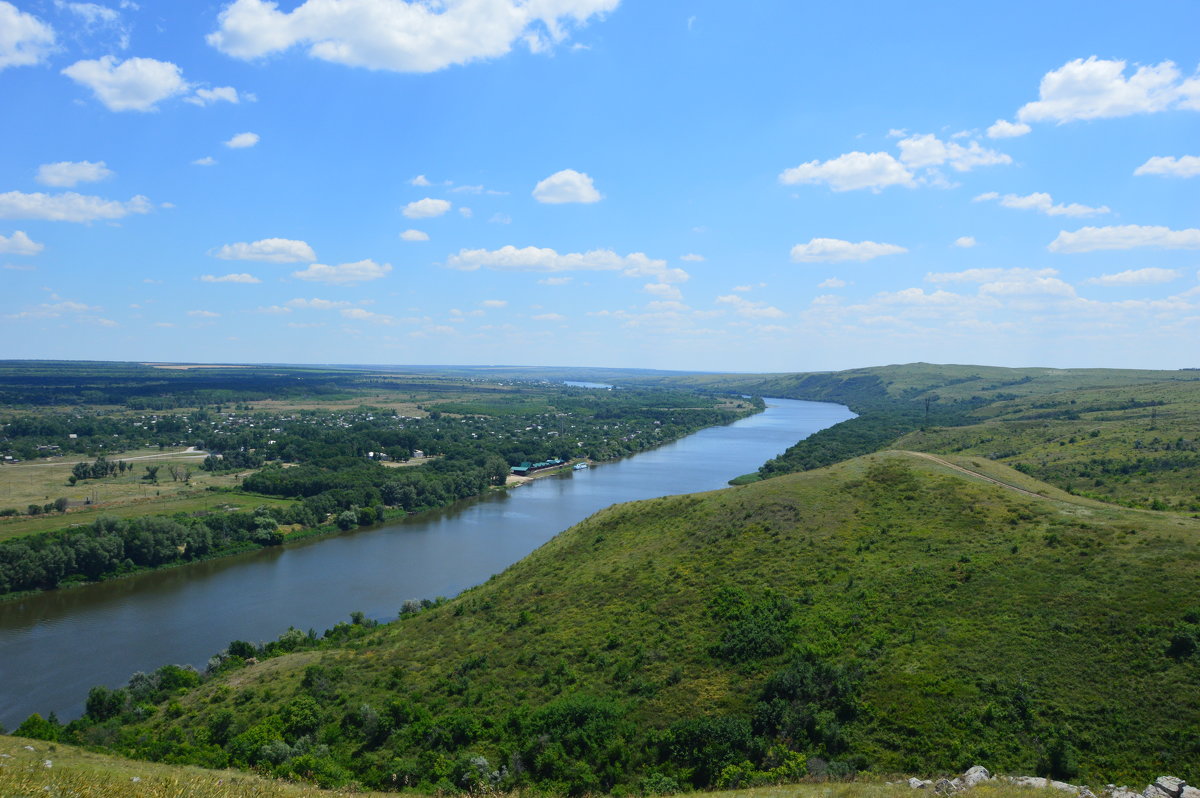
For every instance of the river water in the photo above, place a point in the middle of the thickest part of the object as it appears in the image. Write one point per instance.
(55, 646)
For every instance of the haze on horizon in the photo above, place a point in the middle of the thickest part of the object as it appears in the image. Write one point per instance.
(697, 186)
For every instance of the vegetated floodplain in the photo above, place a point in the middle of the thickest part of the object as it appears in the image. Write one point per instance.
(113, 468)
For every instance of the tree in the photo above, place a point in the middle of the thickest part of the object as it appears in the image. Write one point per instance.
(152, 474)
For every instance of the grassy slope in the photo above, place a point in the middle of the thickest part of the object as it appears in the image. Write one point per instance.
(987, 623)
(82, 774)
(1134, 443)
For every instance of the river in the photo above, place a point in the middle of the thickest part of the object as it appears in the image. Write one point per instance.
(56, 645)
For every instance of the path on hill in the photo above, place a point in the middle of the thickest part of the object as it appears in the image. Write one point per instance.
(969, 472)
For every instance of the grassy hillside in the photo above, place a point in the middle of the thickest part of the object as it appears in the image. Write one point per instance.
(37, 768)
(891, 613)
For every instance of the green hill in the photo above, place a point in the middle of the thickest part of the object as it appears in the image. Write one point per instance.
(893, 613)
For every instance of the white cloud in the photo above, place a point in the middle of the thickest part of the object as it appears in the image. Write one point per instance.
(136, 84)
(92, 13)
(344, 274)
(1098, 89)
(663, 290)
(1003, 129)
(230, 278)
(1126, 236)
(535, 259)
(317, 304)
(426, 208)
(832, 282)
(466, 213)
(854, 170)
(420, 180)
(65, 174)
(273, 310)
(227, 94)
(268, 250)
(966, 242)
(752, 310)
(242, 140)
(550, 317)
(399, 35)
(414, 235)
(1042, 203)
(692, 257)
(834, 250)
(207, 160)
(203, 314)
(500, 218)
(494, 303)
(68, 207)
(1169, 166)
(554, 281)
(566, 186)
(1027, 286)
(54, 310)
(358, 314)
(19, 244)
(989, 275)
(926, 150)
(24, 39)
(1150, 276)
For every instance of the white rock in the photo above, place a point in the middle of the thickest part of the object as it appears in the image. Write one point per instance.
(1028, 781)
(47, 764)
(975, 775)
(1170, 785)
(1064, 787)
(917, 784)
(945, 787)
(1189, 792)
(29, 748)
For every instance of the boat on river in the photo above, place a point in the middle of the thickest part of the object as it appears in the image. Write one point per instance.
(579, 466)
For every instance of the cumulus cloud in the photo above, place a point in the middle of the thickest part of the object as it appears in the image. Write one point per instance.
(420, 180)
(1042, 203)
(24, 39)
(317, 304)
(65, 174)
(226, 94)
(344, 274)
(136, 84)
(854, 170)
(550, 317)
(927, 150)
(834, 250)
(1099, 89)
(230, 278)
(989, 275)
(414, 235)
(68, 207)
(1150, 276)
(242, 140)
(57, 309)
(1125, 236)
(207, 160)
(268, 250)
(1170, 166)
(554, 280)
(832, 282)
(752, 310)
(692, 258)
(965, 242)
(399, 35)
(494, 303)
(19, 244)
(203, 314)
(426, 208)
(535, 259)
(663, 290)
(566, 186)
(359, 314)
(1003, 129)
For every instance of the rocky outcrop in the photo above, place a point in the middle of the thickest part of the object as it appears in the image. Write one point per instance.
(1163, 786)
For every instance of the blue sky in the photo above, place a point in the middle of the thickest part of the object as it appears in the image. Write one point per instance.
(765, 186)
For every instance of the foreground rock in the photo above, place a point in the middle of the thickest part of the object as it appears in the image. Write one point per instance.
(1163, 786)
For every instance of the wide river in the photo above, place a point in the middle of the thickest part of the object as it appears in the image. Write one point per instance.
(55, 646)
